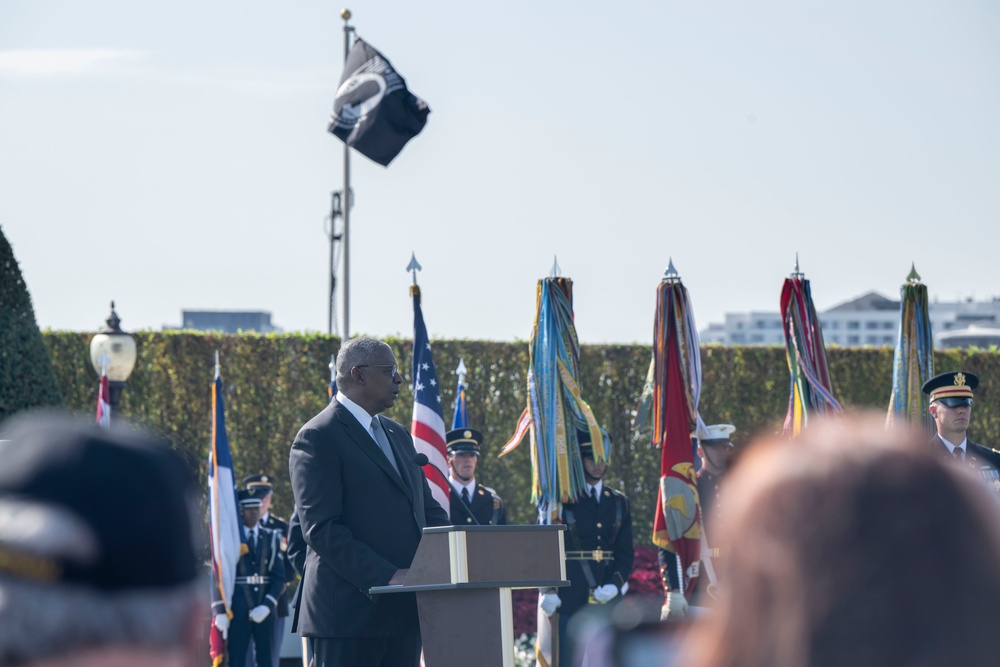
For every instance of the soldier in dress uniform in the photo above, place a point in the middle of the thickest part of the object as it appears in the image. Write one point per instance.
(260, 576)
(599, 548)
(463, 455)
(714, 448)
(951, 407)
(264, 486)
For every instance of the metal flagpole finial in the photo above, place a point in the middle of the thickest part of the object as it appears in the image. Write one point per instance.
(104, 361)
(333, 366)
(414, 266)
(218, 371)
(461, 370)
(796, 273)
(556, 271)
(671, 275)
(914, 277)
(345, 14)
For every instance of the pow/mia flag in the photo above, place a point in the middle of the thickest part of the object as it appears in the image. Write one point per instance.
(374, 111)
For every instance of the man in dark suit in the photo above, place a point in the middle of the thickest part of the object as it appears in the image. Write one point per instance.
(263, 486)
(362, 503)
(463, 455)
(951, 407)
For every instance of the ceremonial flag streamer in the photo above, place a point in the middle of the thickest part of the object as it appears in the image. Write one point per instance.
(811, 391)
(555, 409)
(374, 112)
(225, 524)
(427, 426)
(671, 397)
(461, 418)
(913, 362)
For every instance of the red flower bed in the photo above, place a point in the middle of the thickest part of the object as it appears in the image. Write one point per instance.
(645, 581)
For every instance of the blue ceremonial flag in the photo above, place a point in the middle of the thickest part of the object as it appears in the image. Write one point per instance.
(224, 515)
(374, 112)
(460, 419)
(427, 427)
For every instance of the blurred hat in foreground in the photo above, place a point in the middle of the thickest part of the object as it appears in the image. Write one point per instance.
(111, 509)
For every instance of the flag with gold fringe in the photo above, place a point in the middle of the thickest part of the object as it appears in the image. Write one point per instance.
(810, 390)
(670, 403)
(913, 362)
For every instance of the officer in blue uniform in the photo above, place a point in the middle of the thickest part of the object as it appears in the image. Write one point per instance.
(599, 548)
(463, 455)
(260, 576)
(263, 484)
(951, 407)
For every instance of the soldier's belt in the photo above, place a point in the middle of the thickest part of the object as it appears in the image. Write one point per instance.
(254, 580)
(596, 555)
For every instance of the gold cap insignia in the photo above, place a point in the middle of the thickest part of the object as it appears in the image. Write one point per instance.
(467, 434)
(959, 379)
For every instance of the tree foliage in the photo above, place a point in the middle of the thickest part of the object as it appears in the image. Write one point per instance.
(26, 376)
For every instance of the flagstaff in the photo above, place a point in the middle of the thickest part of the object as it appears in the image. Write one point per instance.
(348, 29)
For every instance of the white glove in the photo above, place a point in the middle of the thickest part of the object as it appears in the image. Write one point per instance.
(222, 623)
(549, 602)
(605, 593)
(624, 589)
(259, 613)
(675, 607)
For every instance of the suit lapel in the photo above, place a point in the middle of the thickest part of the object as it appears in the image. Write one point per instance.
(363, 441)
(407, 481)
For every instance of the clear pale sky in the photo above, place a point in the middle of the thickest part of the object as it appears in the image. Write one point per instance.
(175, 155)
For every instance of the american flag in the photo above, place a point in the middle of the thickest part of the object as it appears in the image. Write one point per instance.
(427, 427)
(224, 519)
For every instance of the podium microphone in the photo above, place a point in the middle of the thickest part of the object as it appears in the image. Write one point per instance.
(422, 460)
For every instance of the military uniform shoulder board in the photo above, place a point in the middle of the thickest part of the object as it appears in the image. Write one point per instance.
(609, 491)
(497, 502)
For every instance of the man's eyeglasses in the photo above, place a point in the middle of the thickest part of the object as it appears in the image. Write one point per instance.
(392, 368)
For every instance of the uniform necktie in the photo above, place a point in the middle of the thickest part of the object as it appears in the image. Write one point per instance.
(593, 493)
(383, 442)
(253, 542)
(465, 495)
(958, 453)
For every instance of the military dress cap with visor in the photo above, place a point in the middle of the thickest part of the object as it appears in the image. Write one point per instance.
(461, 440)
(262, 480)
(717, 434)
(112, 510)
(953, 389)
(587, 447)
(251, 497)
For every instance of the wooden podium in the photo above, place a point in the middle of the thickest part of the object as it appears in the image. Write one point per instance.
(463, 577)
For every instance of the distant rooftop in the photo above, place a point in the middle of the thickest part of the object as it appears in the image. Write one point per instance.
(228, 321)
(872, 301)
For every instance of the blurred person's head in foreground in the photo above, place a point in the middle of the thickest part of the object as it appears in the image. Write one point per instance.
(97, 548)
(854, 545)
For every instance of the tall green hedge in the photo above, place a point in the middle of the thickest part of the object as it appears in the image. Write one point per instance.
(275, 383)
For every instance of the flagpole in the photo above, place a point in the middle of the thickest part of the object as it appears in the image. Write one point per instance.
(348, 29)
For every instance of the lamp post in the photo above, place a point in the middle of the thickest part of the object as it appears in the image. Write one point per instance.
(113, 351)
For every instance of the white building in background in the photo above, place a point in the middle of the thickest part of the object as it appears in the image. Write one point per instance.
(871, 319)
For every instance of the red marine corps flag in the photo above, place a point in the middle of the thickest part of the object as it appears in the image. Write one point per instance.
(670, 399)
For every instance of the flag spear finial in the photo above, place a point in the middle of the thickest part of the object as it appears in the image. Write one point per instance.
(345, 14)
(414, 266)
(461, 370)
(333, 366)
(671, 275)
(796, 273)
(218, 371)
(914, 277)
(556, 271)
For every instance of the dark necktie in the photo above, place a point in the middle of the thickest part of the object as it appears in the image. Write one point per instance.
(465, 495)
(593, 493)
(958, 454)
(252, 542)
(383, 442)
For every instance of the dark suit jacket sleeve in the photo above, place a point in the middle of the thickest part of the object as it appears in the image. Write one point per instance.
(296, 544)
(316, 469)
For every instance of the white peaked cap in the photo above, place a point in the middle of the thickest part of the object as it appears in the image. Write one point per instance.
(717, 432)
